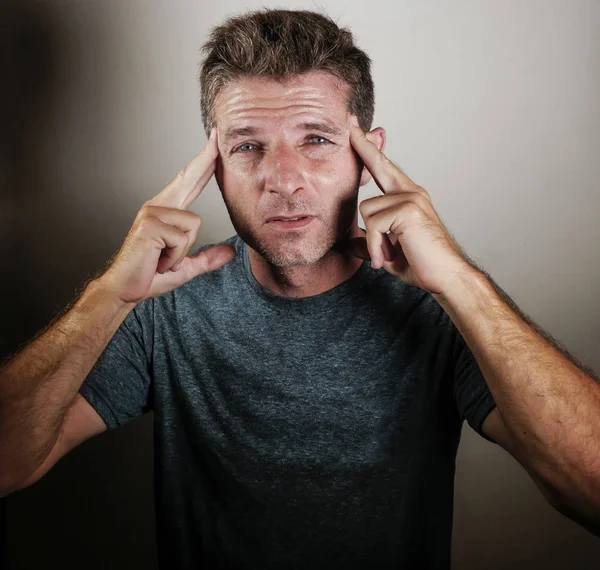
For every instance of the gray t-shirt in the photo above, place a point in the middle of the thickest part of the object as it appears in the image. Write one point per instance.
(296, 433)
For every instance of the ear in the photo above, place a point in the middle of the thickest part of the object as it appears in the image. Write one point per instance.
(219, 173)
(377, 137)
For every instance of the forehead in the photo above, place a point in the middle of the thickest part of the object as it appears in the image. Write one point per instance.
(255, 98)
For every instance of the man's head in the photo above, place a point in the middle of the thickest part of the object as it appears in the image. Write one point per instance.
(279, 86)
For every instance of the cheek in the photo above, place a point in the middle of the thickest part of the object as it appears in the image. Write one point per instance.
(234, 179)
(339, 175)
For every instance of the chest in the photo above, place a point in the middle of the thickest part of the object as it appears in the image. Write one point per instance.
(284, 398)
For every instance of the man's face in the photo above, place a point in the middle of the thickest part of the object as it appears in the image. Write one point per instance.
(284, 153)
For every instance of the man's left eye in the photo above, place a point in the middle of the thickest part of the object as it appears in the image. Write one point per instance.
(322, 140)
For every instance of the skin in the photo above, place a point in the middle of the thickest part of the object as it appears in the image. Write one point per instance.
(287, 167)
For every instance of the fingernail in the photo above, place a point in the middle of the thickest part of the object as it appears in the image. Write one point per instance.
(354, 120)
(212, 133)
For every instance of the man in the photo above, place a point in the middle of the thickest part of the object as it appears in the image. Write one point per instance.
(307, 402)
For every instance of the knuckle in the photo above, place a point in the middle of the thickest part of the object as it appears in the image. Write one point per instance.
(411, 209)
(182, 174)
(193, 236)
(384, 159)
(366, 205)
(419, 200)
(149, 205)
(195, 219)
(145, 224)
(186, 241)
(422, 192)
(180, 238)
(146, 211)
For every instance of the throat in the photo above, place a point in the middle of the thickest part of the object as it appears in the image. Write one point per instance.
(301, 281)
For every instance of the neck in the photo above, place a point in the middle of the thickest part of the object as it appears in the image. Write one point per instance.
(308, 280)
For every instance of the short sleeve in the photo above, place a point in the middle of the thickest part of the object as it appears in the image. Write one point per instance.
(119, 385)
(473, 397)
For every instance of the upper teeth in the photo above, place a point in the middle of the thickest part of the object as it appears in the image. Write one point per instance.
(292, 219)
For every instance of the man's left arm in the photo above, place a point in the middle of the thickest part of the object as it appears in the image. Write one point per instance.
(548, 405)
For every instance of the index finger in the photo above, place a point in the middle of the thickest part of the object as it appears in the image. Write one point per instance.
(385, 173)
(181, 192)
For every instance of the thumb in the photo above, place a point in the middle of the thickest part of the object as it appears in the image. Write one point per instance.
(211, 259)
(357, 246)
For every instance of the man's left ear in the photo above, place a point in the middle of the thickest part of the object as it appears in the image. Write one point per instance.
(377, 137)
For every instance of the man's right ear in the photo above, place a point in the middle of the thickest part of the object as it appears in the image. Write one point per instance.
(219, 173)
(378, 137)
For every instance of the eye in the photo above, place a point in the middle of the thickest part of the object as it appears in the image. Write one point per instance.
(243, 147)
(324, 140)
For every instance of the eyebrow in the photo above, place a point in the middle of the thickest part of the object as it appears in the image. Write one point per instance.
(236, 132)
(321, 126)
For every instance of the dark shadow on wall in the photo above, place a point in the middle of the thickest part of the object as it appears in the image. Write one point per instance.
(28, 63)
(93, 510)
(28, 60)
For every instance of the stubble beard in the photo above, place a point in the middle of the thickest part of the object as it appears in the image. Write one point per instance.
(291, 248)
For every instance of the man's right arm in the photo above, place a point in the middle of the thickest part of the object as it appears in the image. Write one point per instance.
(42, 415)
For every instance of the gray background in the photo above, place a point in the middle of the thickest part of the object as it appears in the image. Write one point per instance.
(490, 105)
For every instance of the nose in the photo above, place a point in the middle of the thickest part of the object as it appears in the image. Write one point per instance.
(284, 170)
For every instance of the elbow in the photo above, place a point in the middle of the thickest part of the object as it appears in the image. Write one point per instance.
(6, 482)
(587, 517)
(9, 482)
(7, 487)
(577, 499)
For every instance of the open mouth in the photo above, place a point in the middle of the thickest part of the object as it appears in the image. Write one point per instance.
(290, 223)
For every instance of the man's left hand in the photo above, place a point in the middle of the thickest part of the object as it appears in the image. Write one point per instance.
(405, 235)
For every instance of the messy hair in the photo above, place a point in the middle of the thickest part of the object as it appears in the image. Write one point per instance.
(278, 44)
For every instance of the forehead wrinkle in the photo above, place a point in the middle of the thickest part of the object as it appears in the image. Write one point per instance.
(244, 105)
(317, 88)
(239, 110)
(246, 115)
(239, 93)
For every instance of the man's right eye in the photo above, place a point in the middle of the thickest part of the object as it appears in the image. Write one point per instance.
(244, 148)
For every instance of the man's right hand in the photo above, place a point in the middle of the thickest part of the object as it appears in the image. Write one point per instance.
(153, 258)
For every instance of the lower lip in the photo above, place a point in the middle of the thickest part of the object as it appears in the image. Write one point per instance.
(292, 225)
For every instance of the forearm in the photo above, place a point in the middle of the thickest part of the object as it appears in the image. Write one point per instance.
(38, 384)
(548, 403)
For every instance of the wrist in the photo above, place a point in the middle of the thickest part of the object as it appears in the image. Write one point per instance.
(467, 291)
(99, 292)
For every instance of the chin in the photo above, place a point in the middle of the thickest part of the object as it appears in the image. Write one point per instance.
(292, 253)
(287, 251)
(291, 259)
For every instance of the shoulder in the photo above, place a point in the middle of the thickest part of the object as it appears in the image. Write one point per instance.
(404, 300)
